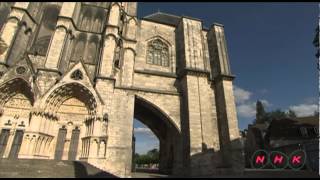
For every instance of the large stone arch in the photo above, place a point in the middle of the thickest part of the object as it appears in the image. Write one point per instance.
(14, 86)
(16, 102)
(69, 107)
(63, 92)
(165, 129)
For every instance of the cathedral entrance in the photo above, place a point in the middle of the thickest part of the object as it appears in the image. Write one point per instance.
(165, 131)
(16, 144)
(16, 99)
(74, 144)
(4, 136)
(60, 143)
(74, 107)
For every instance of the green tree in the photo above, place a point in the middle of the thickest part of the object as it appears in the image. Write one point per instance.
(260, 113)
(154, 155)
(291, 114)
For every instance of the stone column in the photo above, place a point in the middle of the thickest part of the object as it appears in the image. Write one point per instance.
(48, 75)
(127, 70)
(128, 59)
(10, 29)
(60, 36)
(119, 144)
(230, 140)
(106, 64)
(110, 42)
(200, 129)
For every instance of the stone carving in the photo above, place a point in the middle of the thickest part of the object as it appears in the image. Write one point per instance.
(77, 75)
(21, 70)
(158, 53)
(156, 72)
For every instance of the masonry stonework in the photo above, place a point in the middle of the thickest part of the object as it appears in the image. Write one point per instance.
(71, 86)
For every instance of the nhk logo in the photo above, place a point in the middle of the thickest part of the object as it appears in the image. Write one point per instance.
(278, 160)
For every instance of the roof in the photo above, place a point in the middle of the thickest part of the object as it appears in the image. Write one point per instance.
(168, 19)
(164, 18)
(309, 120)
(289, 127)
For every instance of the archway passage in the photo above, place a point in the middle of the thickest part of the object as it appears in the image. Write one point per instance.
(167, 133)
(145, 149)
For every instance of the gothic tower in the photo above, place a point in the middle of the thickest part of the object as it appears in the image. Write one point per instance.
(74, 75)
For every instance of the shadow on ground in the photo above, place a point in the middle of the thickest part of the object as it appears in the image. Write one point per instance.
(84, 171)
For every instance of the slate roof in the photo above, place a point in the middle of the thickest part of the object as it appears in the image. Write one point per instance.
(168, 19)
(163, 18)
(288, 128)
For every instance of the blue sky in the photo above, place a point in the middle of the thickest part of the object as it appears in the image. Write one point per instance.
(270, 51)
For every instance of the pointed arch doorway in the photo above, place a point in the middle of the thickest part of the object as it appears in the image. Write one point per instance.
(166, 132)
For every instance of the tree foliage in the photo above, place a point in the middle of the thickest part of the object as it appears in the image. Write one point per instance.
(152, 157)
(266, 117)
(260, 112)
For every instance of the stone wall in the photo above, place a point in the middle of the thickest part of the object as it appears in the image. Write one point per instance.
(191, 98)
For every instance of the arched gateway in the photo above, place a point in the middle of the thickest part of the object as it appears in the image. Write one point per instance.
(164, 128)
(75, 96)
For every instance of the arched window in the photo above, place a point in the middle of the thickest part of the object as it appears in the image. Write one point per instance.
(92, 51)
(79, 48)
(158, 53)
(85, 24)
(46, 29)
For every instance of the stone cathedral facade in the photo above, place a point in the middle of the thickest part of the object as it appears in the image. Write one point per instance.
(74, 75)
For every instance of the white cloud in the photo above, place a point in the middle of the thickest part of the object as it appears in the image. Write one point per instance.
(241, 95)
(302, 110)
(246, 107)
(247, 110)
(142, 130)
(265, 103)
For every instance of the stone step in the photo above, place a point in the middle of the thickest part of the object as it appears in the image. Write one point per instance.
(35, 168)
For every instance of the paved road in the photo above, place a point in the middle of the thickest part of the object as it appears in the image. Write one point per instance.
(249, 173)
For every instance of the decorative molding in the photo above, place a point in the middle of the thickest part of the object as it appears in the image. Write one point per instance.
(222, 77)
(147, 90)
(156, 73)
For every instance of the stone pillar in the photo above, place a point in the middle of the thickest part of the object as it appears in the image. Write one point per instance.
(114, 15)
(110, 42)
(128, 59)
(106, 64)
(119, 144)
(230, 142)
(48, 75)
(131, 8)
(11, 28)
(127, 67)
(60, 36)
(200, 128)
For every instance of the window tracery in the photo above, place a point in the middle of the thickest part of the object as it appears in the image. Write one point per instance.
(158, 53)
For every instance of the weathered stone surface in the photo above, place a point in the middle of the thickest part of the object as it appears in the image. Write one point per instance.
(101, 69)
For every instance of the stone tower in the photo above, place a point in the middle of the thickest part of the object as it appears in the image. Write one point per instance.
(75, 74)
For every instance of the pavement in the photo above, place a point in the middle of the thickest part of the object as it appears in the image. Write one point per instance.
(248, 173)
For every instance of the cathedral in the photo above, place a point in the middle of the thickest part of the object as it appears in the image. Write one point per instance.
(74, 75)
